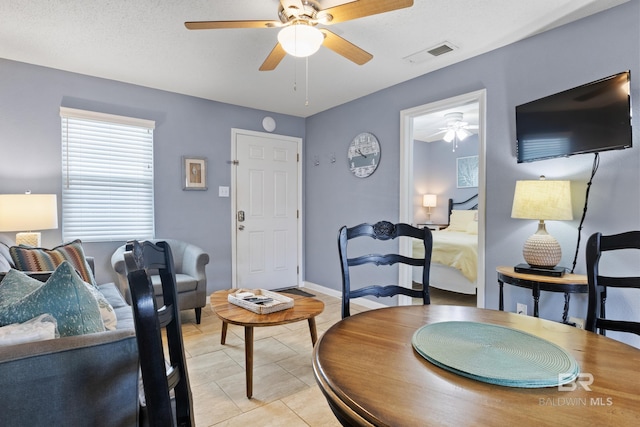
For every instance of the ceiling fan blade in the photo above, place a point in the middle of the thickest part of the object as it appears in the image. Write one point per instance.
(215, 25)
(345, 48)
(437, 133)
(273, 59)
(362, 8)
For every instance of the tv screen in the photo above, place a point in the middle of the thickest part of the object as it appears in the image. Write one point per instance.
(586, 119)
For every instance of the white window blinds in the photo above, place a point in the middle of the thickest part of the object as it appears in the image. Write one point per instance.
(107, 174)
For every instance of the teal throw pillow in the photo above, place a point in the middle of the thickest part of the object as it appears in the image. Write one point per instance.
(64, 296)
(15, 286)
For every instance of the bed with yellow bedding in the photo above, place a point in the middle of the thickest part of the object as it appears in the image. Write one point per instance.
(454, 258)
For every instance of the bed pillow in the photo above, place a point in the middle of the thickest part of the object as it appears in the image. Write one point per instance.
(64, 296)
(459, 219)
(472, 227)
(39, 259)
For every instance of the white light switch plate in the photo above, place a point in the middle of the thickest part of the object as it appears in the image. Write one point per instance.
(223, 191)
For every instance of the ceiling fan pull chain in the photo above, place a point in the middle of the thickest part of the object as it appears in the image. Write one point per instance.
(306, 78)
(295, 76)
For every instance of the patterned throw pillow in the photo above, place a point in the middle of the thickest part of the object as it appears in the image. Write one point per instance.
(40, 328)
(39, 259)
(65, 296)
(109, 318)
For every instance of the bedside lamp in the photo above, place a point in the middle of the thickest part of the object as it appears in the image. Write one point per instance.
(542, 200)
(429, 201)
(20, 212)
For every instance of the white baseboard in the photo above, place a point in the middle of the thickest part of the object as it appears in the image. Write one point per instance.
(338, 294)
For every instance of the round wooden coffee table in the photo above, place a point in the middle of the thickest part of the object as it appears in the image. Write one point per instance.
(303, 308)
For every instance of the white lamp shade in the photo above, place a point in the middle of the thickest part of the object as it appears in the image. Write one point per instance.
(429, 200)
(542, 200)
(300, 39)
(28, 212)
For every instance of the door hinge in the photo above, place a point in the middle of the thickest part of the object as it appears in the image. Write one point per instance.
(297, 214)
(298, 157)
(235, 162)
(298, 269)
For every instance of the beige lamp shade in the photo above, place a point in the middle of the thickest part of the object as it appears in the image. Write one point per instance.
(542, 200)
(28, 212)
(429, 200)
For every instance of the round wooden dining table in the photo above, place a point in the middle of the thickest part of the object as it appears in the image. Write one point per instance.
(371, 375)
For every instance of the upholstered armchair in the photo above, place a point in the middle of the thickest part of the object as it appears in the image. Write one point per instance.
(191, 280)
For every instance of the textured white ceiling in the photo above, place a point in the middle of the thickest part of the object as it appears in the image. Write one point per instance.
(144, 42)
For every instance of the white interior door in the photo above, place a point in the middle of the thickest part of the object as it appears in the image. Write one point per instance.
(266, 217)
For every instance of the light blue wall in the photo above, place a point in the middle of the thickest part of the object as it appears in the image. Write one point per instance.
(435, 172)
(592, 48)
(30, 100)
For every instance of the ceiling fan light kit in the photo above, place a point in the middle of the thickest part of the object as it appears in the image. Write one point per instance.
(300, 39)
(461, 134)
(456, 129)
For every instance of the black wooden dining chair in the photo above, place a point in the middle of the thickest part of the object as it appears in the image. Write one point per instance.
(159, 378)
(383, 230)
(597, 245)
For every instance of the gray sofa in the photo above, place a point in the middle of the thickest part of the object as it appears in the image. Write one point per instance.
(85, 380)
(191, 280)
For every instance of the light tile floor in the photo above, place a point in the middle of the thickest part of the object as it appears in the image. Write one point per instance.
(284, 388)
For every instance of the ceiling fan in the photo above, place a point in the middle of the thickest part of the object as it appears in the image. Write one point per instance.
(455, 127)
(300, 36)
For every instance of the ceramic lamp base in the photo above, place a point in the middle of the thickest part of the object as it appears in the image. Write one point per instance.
(28, 239)
(542, 250)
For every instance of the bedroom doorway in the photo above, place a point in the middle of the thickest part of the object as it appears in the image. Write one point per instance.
(412, 123)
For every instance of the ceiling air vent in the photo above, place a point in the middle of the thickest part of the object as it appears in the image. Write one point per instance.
(440, 50)
(426, 54)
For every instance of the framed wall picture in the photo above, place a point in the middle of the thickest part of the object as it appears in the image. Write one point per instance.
(467, 171)
(194, 173)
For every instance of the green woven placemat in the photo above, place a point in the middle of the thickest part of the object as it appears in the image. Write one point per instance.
(495, 354)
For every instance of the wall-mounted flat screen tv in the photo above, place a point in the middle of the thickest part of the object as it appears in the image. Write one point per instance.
(586, 119)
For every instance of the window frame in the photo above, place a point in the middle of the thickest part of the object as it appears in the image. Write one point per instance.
(107, 176)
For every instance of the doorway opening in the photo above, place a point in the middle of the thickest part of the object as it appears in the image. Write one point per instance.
(415, 122)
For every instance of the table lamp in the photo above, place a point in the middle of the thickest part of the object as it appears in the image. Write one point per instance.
(542, 200)
(429, 201)
(27, 212)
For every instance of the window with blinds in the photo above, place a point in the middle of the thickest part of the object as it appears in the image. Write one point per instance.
(107, 177)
